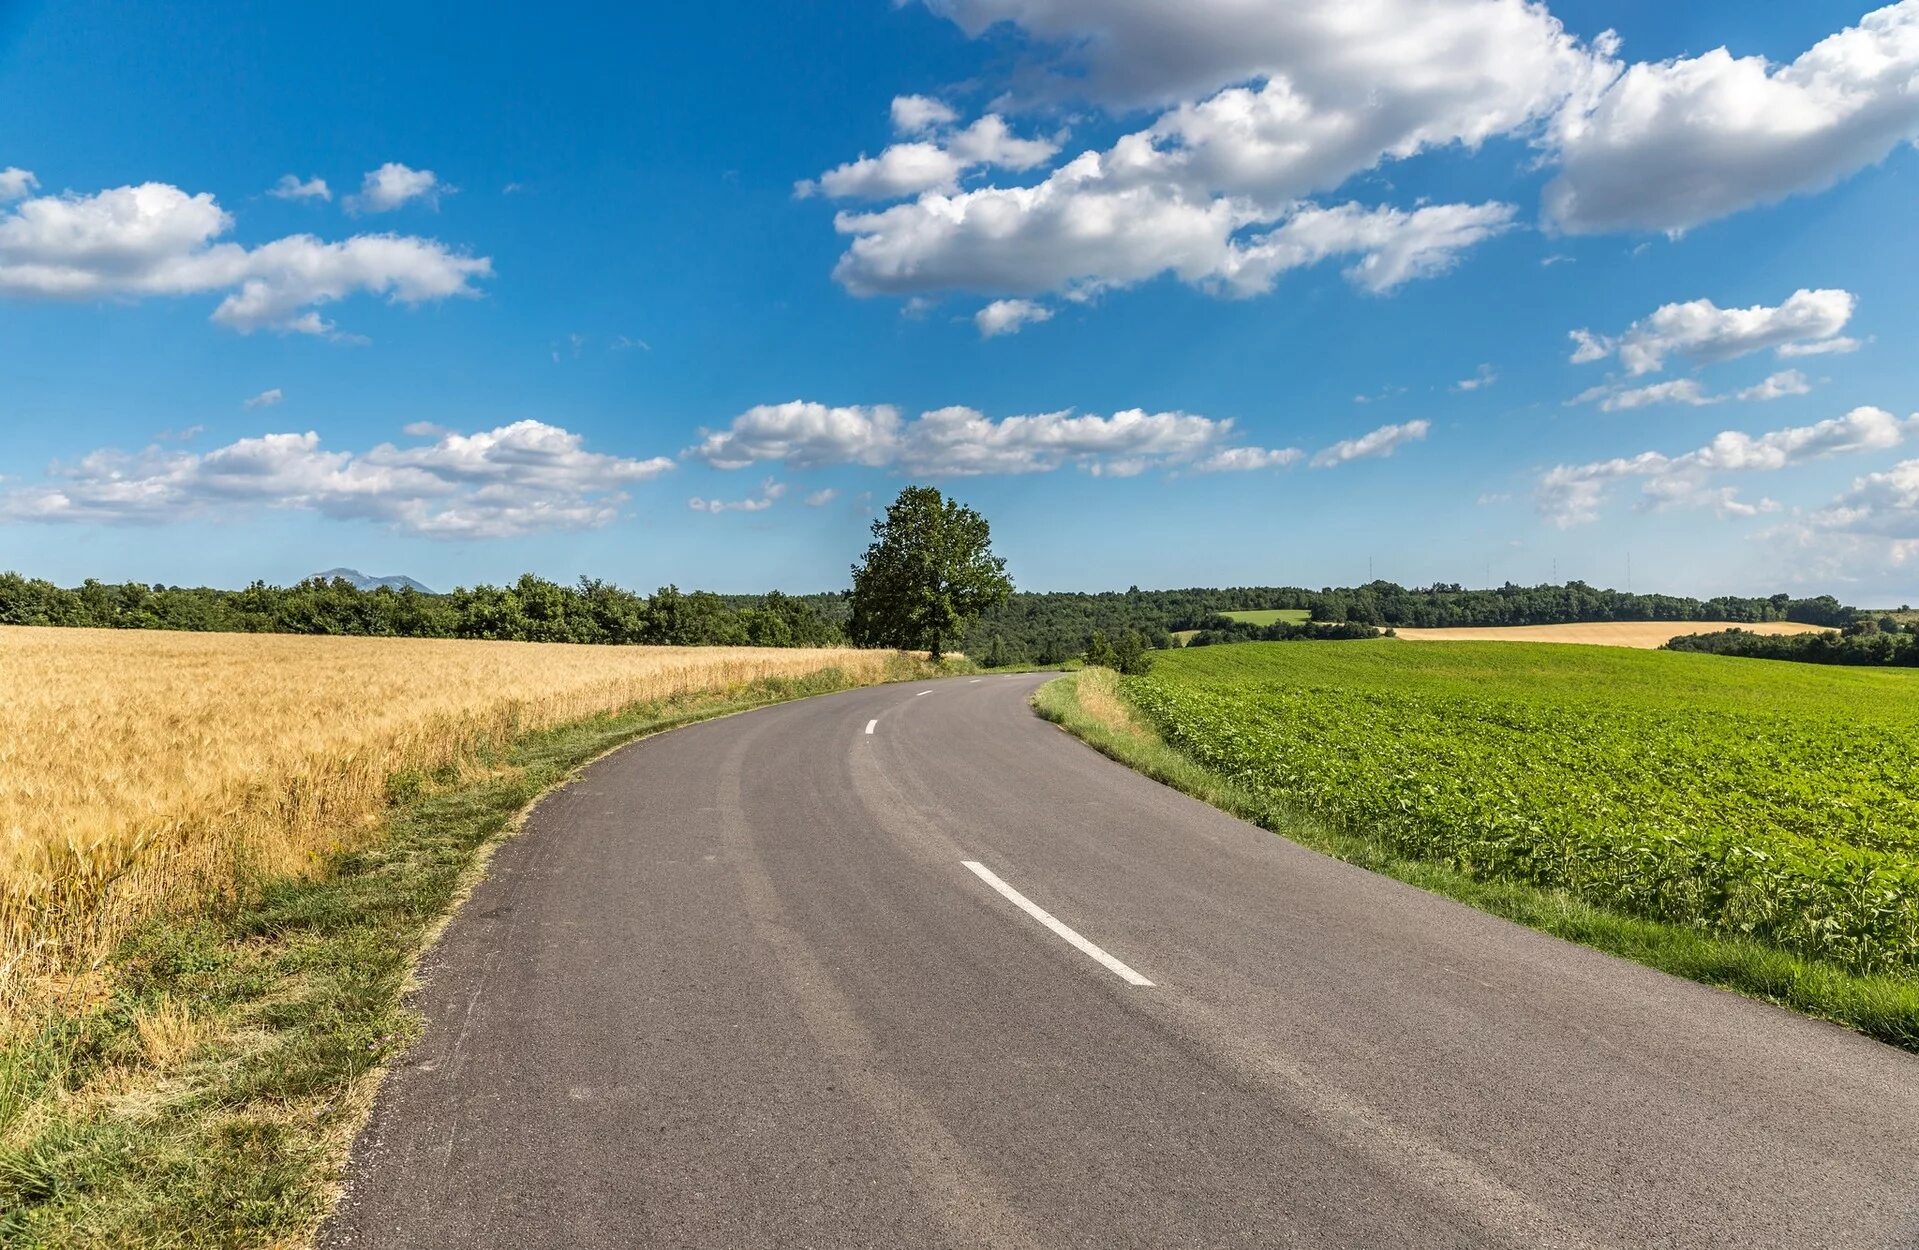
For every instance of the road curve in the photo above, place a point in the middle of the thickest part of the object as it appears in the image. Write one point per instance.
(738, 987)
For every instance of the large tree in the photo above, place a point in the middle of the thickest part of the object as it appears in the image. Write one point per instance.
(931, 568)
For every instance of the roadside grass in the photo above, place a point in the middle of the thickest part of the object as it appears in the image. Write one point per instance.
(209, 1094)
(1089, 705)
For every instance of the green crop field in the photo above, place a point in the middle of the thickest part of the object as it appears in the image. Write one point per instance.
(1292, 616)
(1751, 797)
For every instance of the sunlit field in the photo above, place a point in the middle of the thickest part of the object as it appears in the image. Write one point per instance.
(142, 772)
(1644, 635)
(1746, 797)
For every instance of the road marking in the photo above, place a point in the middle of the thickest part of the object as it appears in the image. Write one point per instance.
(870, 724)
(976, 681)
(1047, 918)
(922, 694)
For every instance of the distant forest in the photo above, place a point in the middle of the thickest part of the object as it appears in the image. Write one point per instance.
(1044, 627)
(1885, 643)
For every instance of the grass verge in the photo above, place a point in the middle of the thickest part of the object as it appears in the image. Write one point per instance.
(1089, 706)
(209, 1095)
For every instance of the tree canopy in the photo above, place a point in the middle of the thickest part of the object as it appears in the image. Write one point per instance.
(929, 571)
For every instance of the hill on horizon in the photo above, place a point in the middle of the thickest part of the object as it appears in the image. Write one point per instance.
(360, 581)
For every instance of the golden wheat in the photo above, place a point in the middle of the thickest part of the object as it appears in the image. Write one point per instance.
(144, 771)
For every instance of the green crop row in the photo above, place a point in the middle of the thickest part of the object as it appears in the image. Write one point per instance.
(1739, 796)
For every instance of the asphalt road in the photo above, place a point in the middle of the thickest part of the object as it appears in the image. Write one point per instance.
(738, 987)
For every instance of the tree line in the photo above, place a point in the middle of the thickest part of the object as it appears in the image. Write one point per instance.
(1024, 628)
(1046, 628)
(1873, 643)
(532, 609)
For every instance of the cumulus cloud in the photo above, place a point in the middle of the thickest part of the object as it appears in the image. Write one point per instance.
(958, 441)
(516, 479)
(1700, 331)
(156, 240)
(803, 434)
(934, 161)
(1670, 145)
(917, 114)
(292, 187)
(392, 185)
(1381, 76)
(1879, 505)
(267, 399)
(1380, 443)
(1262, 105)
(770, 491)
(1009, 316)
(1255, 107)
(1688, 391)
(1079, 232)
(820, 498)
(16, 184)
(1777, 386)
(1569, 495)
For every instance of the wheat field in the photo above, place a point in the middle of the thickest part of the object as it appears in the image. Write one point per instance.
(150, 771)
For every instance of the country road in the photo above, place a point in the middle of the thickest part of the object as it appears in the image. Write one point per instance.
(908, 967)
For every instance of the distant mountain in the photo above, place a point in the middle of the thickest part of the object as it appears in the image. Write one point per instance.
(393, 581)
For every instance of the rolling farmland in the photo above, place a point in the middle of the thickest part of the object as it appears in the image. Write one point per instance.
(1776, 801)
(151, 771)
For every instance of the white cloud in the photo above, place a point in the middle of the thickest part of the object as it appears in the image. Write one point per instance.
(1879, 505)
(1264, 104)
(917, 114)
(291, 187)
(156, 240)
(1571, 495)
(1009, 316)
(16, 184)
(1680, 391)
(1482, 378)
(959, 441)
(1700, 331)
(1380, 443)
(820, 498)
(1673, 144)
(517, 479)
(1778, 386)
(770, 491)
(1248, 459)
(1081, 231)
(933, 162)
(1823, 347)
(1688, 391)
(1380, 76)
(394, 184)
(803, 434)
(265, 399)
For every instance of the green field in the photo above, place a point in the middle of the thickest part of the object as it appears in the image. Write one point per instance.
(1292, 616)
(1741, 797)
(1267, 616)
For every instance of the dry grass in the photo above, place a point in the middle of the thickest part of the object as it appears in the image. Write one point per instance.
(153, 771)
(1644, 635)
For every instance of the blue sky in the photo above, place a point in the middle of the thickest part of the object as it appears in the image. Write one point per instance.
(1279, 292)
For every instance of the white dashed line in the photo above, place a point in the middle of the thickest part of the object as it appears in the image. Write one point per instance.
(1046, 918)
(922, 694)
(870, 724)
